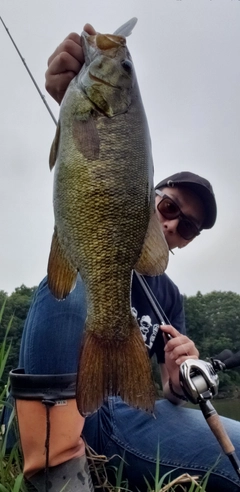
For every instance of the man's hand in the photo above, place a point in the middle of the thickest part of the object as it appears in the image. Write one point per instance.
(65, 63)
(177, 350)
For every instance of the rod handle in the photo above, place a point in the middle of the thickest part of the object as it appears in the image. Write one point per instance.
(217, 428)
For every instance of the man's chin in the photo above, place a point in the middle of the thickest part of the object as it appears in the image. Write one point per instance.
(171, 246)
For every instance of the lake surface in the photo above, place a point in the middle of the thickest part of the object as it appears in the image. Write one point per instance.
(227, 408)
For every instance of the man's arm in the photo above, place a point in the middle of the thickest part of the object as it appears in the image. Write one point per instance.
(65, 63)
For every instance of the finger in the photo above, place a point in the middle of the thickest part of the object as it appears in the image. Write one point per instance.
(177, 341)
(188, 348)
(57, 84)
(89, 29)
(166, 339)
(64, 62)
(182, 359)
(170, 329)
(71, 45)
(59, 74)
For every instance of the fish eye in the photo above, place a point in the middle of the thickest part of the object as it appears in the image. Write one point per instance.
(127, 65)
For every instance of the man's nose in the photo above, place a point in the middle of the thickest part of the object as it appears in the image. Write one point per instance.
(171, 225)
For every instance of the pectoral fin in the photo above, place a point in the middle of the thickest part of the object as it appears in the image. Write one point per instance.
(61, 275)
(155, 252)
(54, 148)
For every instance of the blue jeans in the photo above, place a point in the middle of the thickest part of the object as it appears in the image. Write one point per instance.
(50, 345)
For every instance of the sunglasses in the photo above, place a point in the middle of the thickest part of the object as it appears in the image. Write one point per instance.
(170, 210)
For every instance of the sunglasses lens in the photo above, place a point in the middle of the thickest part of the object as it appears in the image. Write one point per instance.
(168, 209)
(187, 229)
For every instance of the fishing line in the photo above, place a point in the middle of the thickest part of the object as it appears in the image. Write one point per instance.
(30, 74)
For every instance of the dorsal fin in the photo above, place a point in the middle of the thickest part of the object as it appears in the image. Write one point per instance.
(126, 29)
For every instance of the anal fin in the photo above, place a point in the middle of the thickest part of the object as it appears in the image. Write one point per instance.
(61, 275)
(155, 251)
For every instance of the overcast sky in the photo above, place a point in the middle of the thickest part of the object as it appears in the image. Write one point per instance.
(187, 58)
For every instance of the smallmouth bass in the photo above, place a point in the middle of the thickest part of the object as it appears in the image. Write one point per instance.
(105, 220)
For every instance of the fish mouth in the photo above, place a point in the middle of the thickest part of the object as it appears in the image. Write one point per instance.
(101, 81)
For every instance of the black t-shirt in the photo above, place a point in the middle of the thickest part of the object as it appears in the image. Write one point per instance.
(170, 301)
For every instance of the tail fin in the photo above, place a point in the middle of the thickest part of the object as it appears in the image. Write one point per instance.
(113, 367)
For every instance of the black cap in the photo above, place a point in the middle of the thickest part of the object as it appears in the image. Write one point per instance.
(198, 185)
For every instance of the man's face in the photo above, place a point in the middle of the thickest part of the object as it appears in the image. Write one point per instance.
(190, 205)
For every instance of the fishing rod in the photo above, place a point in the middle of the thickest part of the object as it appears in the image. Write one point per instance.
(199, 380)
(30, 74)
(157, 308)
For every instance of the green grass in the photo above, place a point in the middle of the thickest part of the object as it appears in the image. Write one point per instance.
(100, 469)
(11, 477)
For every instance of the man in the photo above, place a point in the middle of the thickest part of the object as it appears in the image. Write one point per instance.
(185, 205)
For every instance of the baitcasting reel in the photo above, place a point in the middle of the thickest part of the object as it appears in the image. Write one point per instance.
(198, 380)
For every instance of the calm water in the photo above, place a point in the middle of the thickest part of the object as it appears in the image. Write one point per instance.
(227, 408)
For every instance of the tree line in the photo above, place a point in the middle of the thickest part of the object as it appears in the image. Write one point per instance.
(212, 321)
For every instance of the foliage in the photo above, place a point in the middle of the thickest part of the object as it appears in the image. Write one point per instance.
(16, 306)
(11, 477)
(213, 322)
